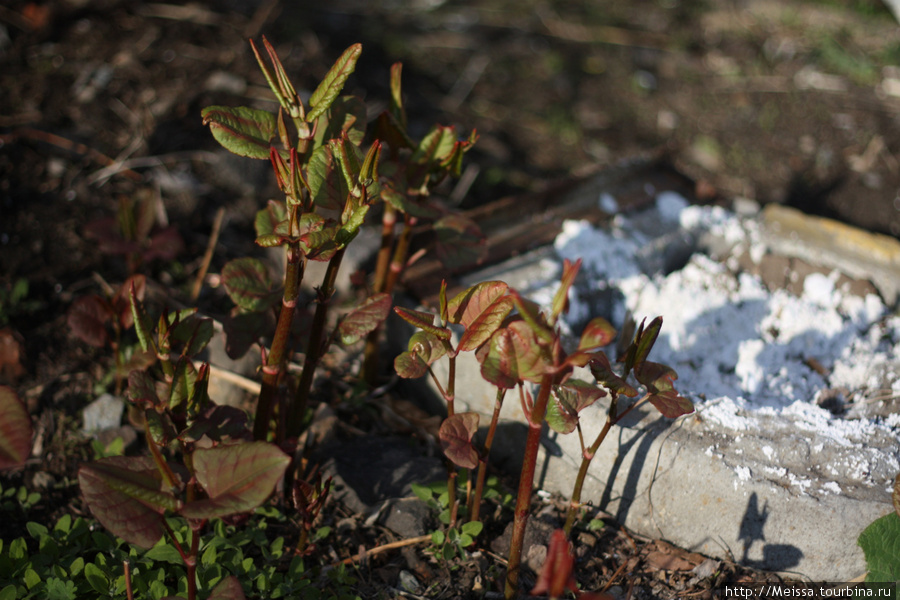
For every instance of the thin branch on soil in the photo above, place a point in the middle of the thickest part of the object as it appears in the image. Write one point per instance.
(383, 548)
(207, 256)
(233, 378)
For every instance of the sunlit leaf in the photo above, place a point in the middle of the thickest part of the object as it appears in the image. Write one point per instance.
(670, 404)
(456, 439)
(515, 354)
(567, 400)
(248, 284)
(603, 372)
(333, 82)
(243, 131)
(410, 365)
(435, 146)
(596, 334)
(237, 478)
(88, 318)
(15, 429)
(422, 320)
(481, 309)
(460, 242)
(643, 342)
(124, 493)
(364, 318)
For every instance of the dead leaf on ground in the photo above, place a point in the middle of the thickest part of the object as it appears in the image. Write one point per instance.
(666, 557)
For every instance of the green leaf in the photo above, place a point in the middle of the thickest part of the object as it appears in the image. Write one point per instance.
(456, 434)
(164, 551)
(481, 309)
(58, 589)
(435, 146)
(596, 334)
(268, 218)
(237, 478)
(327, 186)
(422, 492)
(125, 495)
(15, 429)
(473, 528)
(346, 117)
(880, 543)
(248, 284)
(243, 131)
(333, 83)
(8, 593)
(31, 578)
(365, 318)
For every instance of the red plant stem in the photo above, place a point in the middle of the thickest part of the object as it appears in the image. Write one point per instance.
(526, 482)
(400, 253)
(127, 572)
(316, 347)
(475, 505)
(168, 476)
(454, 472)
(271, 372)
(586, 458)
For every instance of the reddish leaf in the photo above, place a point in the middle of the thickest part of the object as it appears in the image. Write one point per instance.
(456, 439)
(165, 245)
(596, 334)
(515, 354)
(422, 320)
(670, 404)
(604, 374)
(125, 495)
(428, 347)
(481, 309)
(248, 284)
(567, 400)
(644, 339)
(228, 589)
(142, 389)
(15, 429)
(365, 318)
(557, 576)
(410, 365)
(460, 242)
(237, 478)
(88, 318)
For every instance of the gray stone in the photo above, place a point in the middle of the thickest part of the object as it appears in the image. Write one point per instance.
(103, 413)
(407, 517)
(370, 470)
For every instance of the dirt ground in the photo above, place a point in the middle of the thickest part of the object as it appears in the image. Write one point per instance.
(796, 103)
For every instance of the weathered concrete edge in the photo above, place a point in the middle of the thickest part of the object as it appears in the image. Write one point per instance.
(828, 243)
